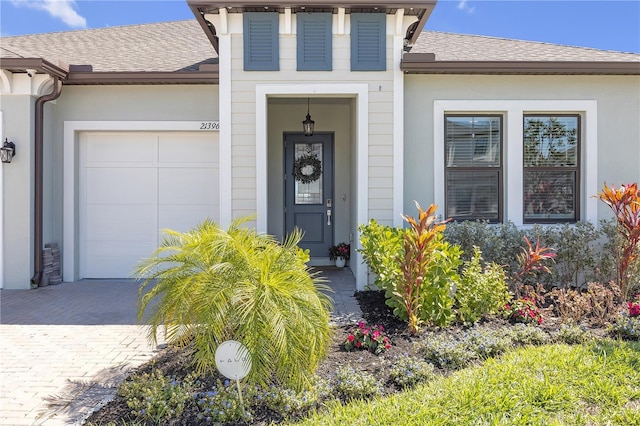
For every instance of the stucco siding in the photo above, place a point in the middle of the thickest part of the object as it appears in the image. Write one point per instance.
(618, 129)
(17, 232)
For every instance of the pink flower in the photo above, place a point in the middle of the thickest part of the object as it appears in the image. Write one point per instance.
(351, 337)
(387, 346)
(358, 344)
(361, 324)
(376, 334)
(634, 309)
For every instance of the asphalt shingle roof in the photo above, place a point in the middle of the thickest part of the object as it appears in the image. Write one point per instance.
(166, 46)
(461, 47)
(183, 46)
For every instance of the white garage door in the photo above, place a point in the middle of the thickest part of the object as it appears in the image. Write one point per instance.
(133, 185)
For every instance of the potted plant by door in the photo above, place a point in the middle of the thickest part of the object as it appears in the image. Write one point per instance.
(340, 253)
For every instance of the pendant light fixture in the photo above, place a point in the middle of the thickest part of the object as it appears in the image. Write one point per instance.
(308, 123)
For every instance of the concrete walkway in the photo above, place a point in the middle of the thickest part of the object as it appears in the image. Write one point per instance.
(64, 349)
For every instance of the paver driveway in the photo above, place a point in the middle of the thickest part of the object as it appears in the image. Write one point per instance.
(65, 348)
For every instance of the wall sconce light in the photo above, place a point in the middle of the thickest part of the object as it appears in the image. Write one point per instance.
(8, 151)
(308, 123)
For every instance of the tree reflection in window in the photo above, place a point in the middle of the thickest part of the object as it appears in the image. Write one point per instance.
(551, 168)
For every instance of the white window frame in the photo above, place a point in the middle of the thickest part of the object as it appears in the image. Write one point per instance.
(513, 112)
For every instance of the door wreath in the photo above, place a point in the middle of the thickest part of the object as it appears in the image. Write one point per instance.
(304, 161)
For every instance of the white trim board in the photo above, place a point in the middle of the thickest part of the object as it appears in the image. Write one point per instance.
(70, 173)
(358, 91)
(513, 111)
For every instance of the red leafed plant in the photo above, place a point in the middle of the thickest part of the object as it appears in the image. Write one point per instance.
(625, 203)
(530, 262)
(419, 245)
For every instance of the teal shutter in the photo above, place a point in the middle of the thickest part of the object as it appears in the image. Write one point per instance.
(261, 42)
(314, 42)
(368, 42)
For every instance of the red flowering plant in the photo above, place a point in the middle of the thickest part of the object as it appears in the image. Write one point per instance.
(634, 307)
(368, 338)
(524, 310)
(340, 250)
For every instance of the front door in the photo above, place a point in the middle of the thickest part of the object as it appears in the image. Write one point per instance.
(309, 189)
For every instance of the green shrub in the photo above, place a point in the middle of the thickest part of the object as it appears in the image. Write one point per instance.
(351, 384)
(583, 253)
(290, 403)
(578, 251)
(155, 397)
(499, 243)
(408, 371)
(381, 247)
(456, 351)
(446, 351)
(423, 291)
(222, 404)
(573, 334)
(416, 273)
(480, 291)
(436, 298)
(209, 285)
(526, 335)
(627, 327)
(487, 342)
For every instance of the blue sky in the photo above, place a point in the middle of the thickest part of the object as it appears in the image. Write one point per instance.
(601, 24)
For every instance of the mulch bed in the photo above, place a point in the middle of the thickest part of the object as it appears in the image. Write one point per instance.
(176, 362)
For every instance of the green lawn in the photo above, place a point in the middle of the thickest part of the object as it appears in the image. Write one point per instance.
(590, 384)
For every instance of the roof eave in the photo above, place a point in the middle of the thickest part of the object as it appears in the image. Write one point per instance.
(206, 26)
(420, 65)
(423, 7)
(143, 77)
(39, 64)
(294, 3)
(426, 13)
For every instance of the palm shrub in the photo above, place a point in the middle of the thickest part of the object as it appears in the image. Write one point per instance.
(209, 285)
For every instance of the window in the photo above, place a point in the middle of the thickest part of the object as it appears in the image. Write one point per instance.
(368, 42)
(261, 42)
(473, 167)
(565, 154)
(314, 41)
(551, 168)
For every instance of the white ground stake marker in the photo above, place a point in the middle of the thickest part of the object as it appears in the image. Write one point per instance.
(233, 362)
